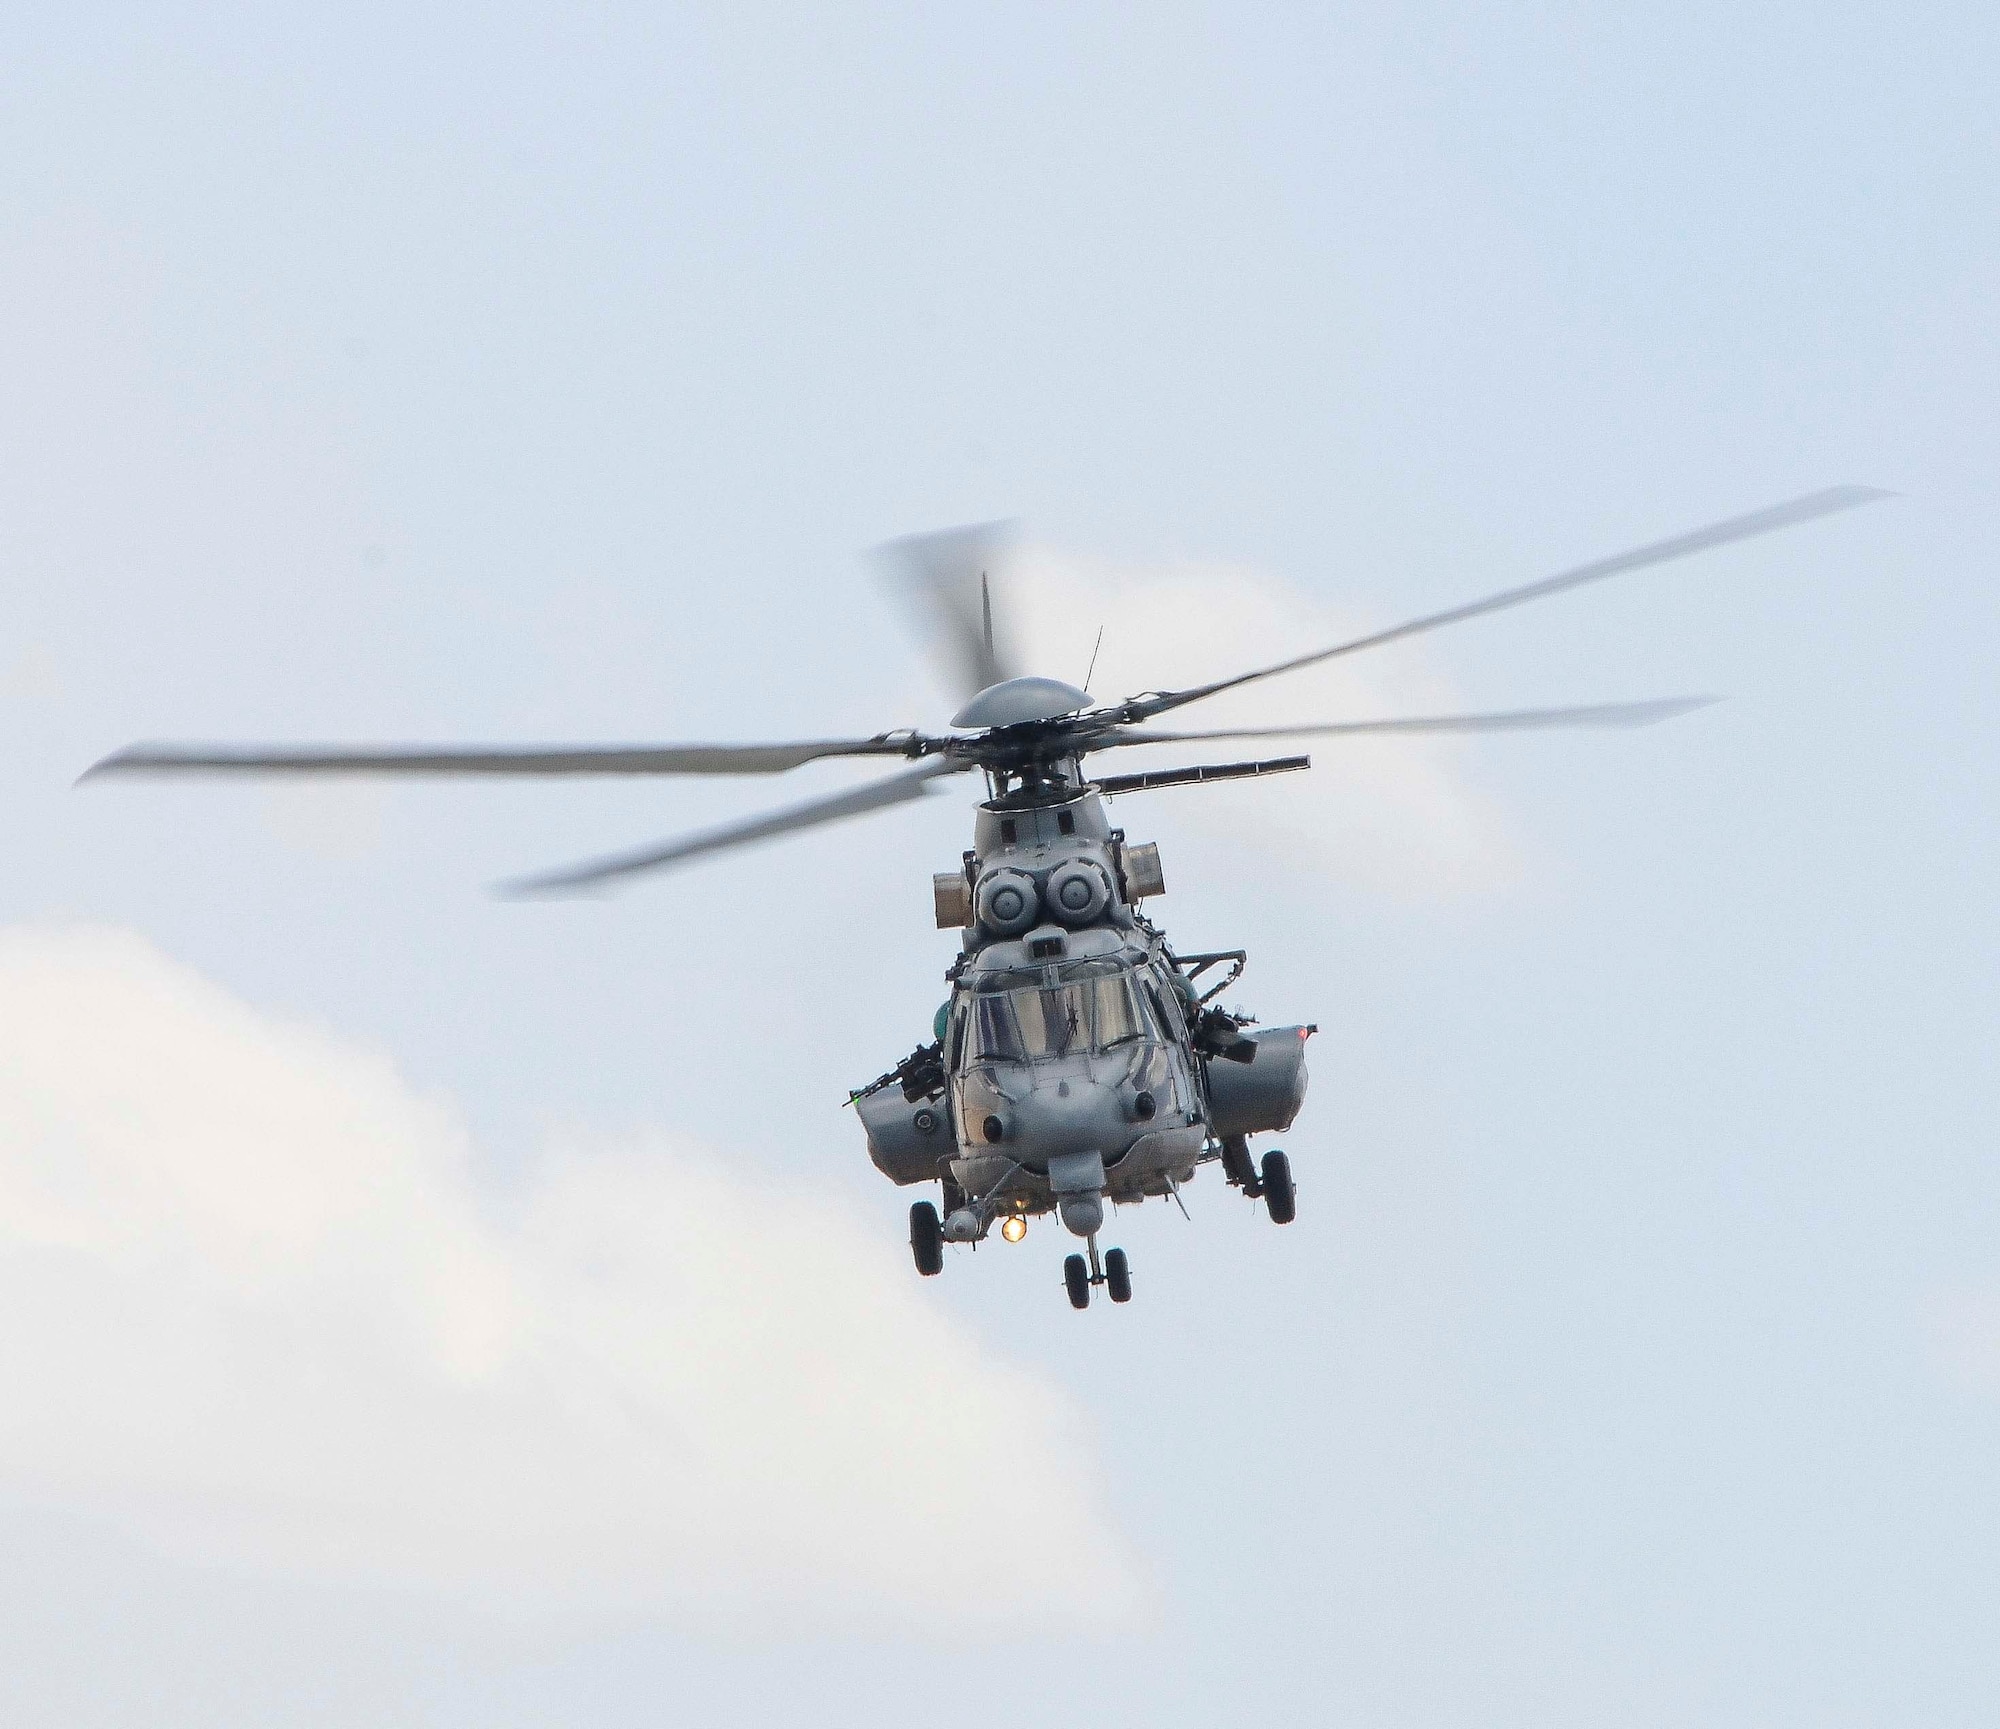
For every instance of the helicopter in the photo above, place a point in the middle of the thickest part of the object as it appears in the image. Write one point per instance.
(1080, 1061)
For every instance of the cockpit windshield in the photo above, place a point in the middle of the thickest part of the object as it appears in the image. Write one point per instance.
(1091, 1006)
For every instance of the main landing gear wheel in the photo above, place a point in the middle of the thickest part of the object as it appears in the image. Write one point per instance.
(1280, 1201)
(926, 1239)
(1118, 1275)
(1076, 1275)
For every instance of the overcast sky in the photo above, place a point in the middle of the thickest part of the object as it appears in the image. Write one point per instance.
(419, 1307)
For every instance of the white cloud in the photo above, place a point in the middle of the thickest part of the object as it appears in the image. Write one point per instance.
(1964, 1326)
(255, 1307)
(1392, 815)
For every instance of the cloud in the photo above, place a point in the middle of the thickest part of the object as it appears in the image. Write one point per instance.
(1396, 816)
(256, 1307)
(1964, 1326)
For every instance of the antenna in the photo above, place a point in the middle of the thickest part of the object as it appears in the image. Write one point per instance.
(1094, 647)
(986, 614)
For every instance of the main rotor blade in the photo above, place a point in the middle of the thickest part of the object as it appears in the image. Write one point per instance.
(1606, 714)
(629, 759)
(951, 577)
(855, 801)
(1787, 515)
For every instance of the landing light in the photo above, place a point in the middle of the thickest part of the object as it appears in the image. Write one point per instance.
(1014, 1227)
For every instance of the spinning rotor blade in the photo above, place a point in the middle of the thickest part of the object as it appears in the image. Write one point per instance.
(1612, 714)
(1777, 516)
(481, 760)
(950, 577)
(855, 801)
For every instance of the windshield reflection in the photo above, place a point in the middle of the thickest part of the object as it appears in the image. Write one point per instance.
(1096, 1009)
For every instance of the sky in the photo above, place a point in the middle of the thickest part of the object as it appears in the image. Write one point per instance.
(426, 1308)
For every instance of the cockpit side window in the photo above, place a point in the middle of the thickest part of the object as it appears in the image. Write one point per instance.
(1116, 1017)
(993, 1032)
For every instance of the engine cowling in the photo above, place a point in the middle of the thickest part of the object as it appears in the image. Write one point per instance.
(1078, 892)
(1008, 902)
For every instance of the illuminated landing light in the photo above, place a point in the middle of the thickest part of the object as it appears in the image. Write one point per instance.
(1014, 1227)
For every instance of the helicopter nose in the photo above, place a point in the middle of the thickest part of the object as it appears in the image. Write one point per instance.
(1074, 1116)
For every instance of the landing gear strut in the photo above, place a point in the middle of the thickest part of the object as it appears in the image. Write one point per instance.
(1239, 1167)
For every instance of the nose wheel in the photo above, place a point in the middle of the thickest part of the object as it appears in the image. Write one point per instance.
(1117, 1276)
(1114, 1274)
(1076, 1276)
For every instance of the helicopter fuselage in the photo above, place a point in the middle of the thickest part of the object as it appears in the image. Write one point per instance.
(1072, 1064)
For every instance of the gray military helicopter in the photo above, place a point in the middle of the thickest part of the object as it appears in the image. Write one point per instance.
(1080, 1058)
